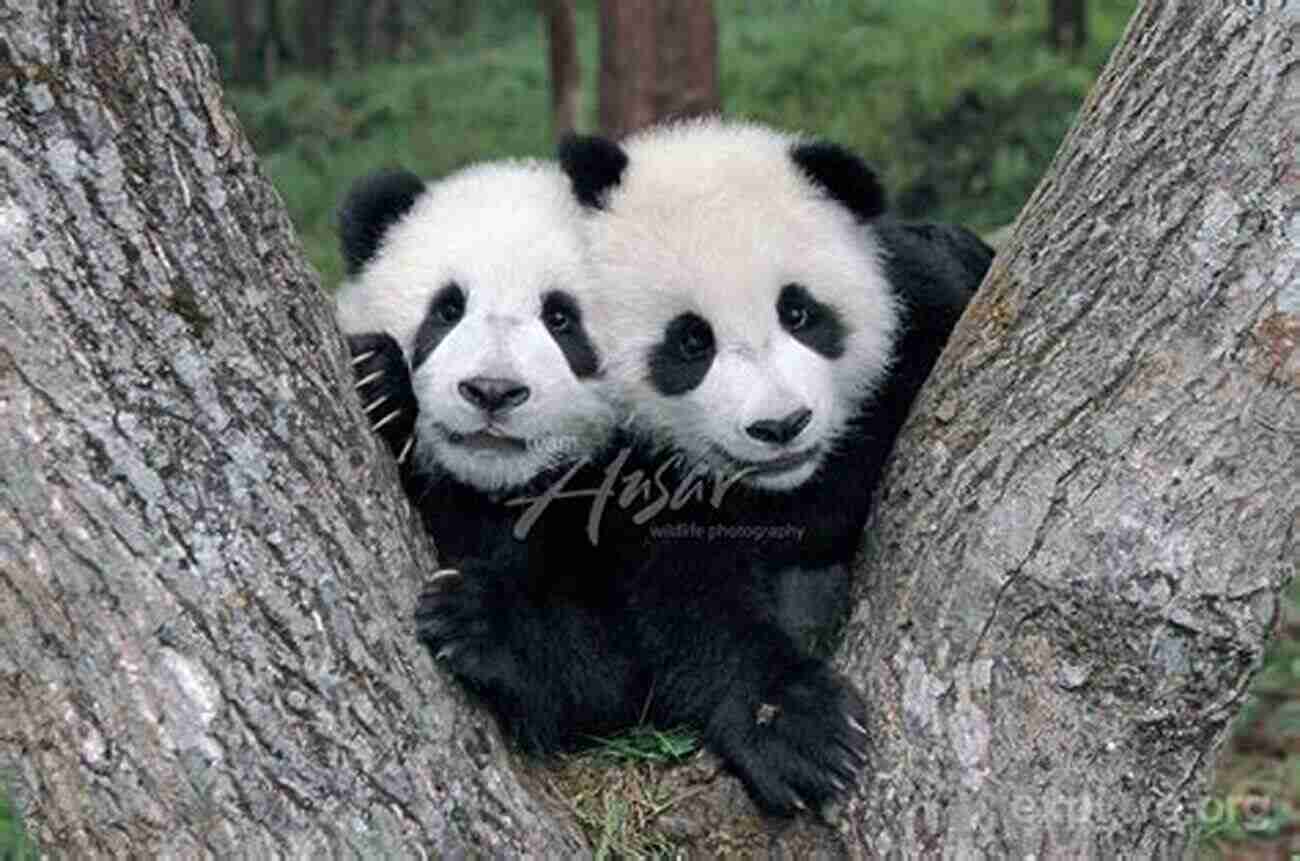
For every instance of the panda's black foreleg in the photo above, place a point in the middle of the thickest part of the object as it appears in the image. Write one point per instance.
(548, 666)
(790, 727)
(383, 382)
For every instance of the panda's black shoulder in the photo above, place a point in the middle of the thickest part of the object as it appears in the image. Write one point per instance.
(935, 268)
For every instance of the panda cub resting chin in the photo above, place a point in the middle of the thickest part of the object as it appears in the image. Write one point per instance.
(772, 328)
(465, 310)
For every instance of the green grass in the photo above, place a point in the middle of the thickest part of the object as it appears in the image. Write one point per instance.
(959, 111)
(621, 787)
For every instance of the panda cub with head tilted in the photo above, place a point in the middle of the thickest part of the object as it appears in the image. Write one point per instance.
(466, 312)
(771, 329)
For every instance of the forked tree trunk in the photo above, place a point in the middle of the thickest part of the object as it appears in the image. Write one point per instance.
(207, 573)
(658, 59)
(204, 642)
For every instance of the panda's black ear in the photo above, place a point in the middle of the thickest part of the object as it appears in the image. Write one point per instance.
(374, 203)
(843, 176)
(594, 165)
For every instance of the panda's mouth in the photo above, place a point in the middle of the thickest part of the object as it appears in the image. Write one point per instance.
(489, 440)
(777, 465)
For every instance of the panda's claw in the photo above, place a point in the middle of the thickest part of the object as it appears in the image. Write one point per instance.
(374, 405)
(406, 449)
(443, 574)
(363, 357)
(368, 379)
(385, 420)
(853, 722)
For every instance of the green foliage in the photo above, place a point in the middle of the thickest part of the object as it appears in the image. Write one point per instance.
(959, 110)
(316, 137)
(15, 845)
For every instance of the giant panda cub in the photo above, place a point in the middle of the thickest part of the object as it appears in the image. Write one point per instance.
(772, 329)
(466, 313)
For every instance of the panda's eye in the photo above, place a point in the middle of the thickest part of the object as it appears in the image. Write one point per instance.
(560, 312)
(449, 307)
(694, 340)
(557, 320)
(793, 313)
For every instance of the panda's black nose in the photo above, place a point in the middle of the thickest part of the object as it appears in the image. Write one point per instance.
(780, 431)
(493, 394)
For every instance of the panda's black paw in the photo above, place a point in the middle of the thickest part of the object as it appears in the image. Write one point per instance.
(801, 745)
(459, 618)
(383, 382)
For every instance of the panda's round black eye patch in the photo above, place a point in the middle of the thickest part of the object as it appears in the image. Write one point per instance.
(445, 310)
(812, 323)
(680, 361)
(563, 319)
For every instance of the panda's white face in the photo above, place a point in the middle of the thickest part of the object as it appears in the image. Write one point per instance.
(483, 284)
(753, 315)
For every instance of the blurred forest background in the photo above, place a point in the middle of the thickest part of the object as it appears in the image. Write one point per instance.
(959, 104)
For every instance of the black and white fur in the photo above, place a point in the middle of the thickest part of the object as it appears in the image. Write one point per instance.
(772, 329)
(466, 313)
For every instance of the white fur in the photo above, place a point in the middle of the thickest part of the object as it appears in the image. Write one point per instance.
(507, 234)
(714, 217)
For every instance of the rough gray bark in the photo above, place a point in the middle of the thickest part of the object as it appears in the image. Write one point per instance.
(1077, 560)
(207, 573)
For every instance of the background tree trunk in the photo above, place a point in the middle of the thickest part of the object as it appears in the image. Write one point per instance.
(244, 39)
(207, 573)
(316, 19)
(564, 65)
(363, 47)
(275, 48)
(386, 29)
(658, 59)
(1067, 25)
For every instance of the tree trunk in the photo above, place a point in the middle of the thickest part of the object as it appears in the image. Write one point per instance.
(275, 49)
(658, 59)
(1067, 25)
(207, 573)
(386, 29)
(359, 35)
(1077, 559)
(244, 39)
(564, 64)
(316, 19)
